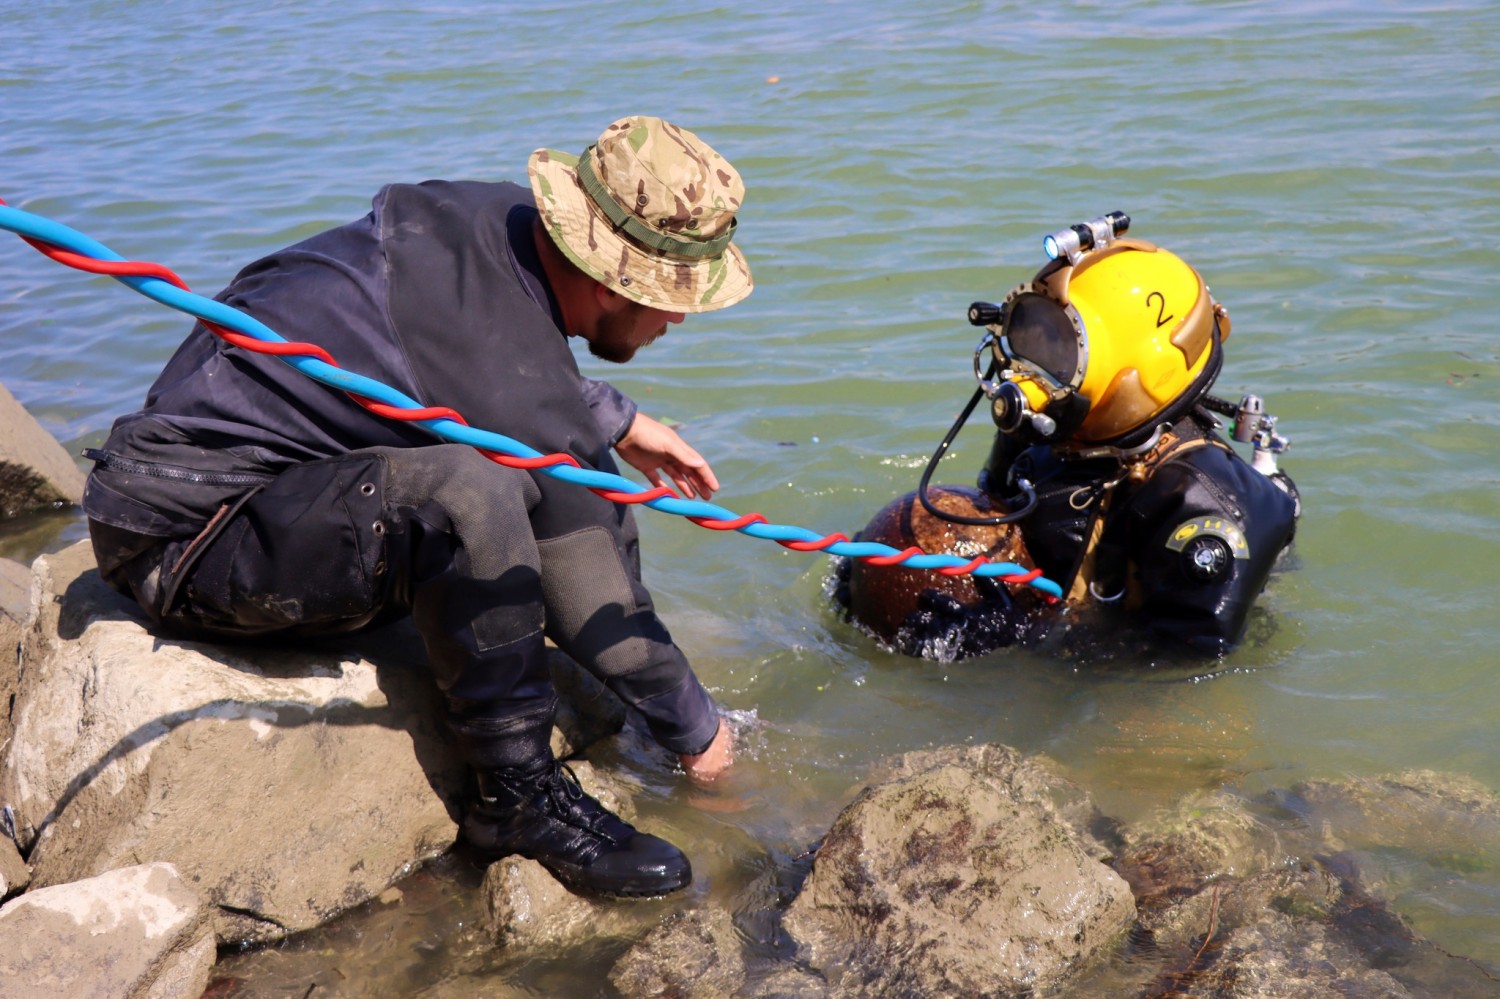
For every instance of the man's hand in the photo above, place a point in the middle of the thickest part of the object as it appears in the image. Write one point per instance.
(652, 447)
(711, 764)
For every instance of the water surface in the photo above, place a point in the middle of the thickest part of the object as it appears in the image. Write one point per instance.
(1330, 167)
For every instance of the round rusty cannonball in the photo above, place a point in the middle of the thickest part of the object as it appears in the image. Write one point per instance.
(887, 599)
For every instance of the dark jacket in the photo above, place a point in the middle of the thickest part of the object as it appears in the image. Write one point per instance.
(1184, 553)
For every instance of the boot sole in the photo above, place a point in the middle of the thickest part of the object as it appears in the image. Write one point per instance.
(576, 880)
(580, 886)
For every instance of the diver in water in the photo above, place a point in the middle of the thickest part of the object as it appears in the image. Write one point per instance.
(1107, 472)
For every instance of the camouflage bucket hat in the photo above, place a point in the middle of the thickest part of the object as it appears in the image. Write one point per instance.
(647, 211)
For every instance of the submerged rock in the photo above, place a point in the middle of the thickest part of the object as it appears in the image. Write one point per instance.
(960, 878)
(1304, 930)
(1205, 837)
(1439, 815)
(691, 955)
(1239, 901)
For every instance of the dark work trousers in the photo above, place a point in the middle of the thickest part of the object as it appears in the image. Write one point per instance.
(332, 546)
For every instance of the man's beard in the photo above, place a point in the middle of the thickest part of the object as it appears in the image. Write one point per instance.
(613, 342)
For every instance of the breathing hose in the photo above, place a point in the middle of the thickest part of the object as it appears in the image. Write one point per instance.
(1027, 494)
(74, 249)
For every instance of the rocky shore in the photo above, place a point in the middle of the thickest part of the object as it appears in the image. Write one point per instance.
(163, 800)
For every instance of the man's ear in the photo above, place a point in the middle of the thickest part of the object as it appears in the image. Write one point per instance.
(608, 300)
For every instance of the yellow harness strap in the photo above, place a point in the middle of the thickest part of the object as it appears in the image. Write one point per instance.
(1138, 469)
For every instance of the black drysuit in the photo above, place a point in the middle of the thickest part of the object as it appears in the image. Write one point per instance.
(1185, 551)
(245, 499)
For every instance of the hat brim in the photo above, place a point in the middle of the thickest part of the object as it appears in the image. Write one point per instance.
(663, 282)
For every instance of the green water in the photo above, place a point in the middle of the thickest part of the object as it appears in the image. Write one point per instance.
(1330, 167)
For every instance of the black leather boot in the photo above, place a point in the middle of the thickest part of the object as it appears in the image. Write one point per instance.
(542, 813)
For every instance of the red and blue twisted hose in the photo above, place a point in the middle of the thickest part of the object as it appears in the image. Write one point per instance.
(70, 247)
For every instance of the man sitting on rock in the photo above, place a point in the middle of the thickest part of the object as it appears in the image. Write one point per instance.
(247, 501)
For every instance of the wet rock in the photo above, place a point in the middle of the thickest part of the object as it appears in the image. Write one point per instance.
(927, 614)
(137, 931)
(1205, 837)
(1035, 776)
(286, 785)
(691, 955)
(35, 471)
(787, 982)
(959, 879)
(490, 987)
(526, 907)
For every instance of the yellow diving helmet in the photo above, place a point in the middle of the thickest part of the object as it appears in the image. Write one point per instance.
(1111, 339)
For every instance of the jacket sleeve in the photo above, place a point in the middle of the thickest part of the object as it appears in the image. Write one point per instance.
(1204, 533)
(613, 410)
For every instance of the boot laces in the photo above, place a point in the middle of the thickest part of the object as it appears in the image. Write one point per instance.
(571, 803)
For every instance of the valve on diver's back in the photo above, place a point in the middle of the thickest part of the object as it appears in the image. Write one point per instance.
(1249, 417)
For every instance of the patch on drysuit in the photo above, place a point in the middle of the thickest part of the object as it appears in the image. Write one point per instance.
(1208, 544)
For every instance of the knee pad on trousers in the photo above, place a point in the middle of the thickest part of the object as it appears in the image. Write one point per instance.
(596, 610)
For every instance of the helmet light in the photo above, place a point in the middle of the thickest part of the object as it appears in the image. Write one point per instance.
(1095, 234)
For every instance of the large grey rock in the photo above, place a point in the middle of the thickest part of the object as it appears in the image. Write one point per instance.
(135, 932)
(286, 784)
(960, 878)
(35, 471)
